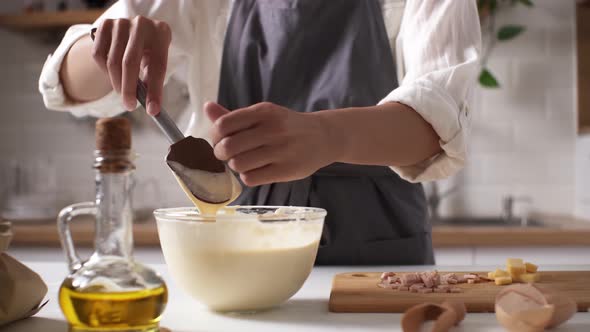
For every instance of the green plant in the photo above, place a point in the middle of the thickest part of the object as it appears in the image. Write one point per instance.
(488, 10)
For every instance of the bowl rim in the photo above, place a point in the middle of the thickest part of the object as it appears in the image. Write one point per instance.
(183, 214)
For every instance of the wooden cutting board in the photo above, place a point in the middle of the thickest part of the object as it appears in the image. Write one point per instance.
(358, 292)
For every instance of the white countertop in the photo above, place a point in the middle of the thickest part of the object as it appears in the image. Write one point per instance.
(306, 311)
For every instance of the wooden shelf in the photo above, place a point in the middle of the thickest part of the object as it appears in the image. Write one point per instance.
(30, 21)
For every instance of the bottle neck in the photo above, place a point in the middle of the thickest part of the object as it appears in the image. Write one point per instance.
(114, 220)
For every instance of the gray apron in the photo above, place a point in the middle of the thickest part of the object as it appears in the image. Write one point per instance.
(311, 55)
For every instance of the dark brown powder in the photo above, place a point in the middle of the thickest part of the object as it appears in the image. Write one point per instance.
(195, 153)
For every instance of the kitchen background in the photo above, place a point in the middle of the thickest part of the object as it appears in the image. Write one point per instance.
(525, 139)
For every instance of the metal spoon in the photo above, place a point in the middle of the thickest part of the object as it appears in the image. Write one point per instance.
(192, 159)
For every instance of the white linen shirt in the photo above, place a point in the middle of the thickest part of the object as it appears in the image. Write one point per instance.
(436, 45)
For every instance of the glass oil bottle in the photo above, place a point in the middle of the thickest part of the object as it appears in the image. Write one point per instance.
(110, 291)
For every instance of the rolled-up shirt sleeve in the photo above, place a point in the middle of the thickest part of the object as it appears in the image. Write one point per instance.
(437, 53)
(111, 104)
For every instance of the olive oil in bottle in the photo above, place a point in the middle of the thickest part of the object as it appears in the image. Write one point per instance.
(110, 291)
(136, 310)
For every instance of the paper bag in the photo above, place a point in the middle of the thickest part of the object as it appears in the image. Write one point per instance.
(21, 289)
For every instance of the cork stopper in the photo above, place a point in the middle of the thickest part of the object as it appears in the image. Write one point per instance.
(113, 134)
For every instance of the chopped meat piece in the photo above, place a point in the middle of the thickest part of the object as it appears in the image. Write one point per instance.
(445, 287)
(385, 284)
(392, 279)
(428, 281)
(448, 275)
(409, 279)
(461, 280)
(449, 278)
(436, 278)
(430, 278)
(426, 278)
(452, 281)
(417, 286)
(386, 275)
(425, 290)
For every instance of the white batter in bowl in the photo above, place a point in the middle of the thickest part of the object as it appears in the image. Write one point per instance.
(245, 258)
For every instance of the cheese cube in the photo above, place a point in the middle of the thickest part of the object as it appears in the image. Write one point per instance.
(501, 273)
(512, 261)
(529, 277)
(515, 267)
(503, 280)
(530, 267)
(491, 275)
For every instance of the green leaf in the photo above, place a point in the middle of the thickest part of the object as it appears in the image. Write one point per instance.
(527, 3)
(487, 79)
(508, 32)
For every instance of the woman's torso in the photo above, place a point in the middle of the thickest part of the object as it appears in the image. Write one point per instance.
(201, 69)
(309, 55)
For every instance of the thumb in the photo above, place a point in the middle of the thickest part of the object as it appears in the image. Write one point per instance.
(214, 111)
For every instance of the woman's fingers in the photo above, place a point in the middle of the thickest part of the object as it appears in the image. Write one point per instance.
(270, 173)
(102, 43)
(265, 142)
(214, 111)
(120, 36)
(253, 159)
(119, 49)
(131, 62)
(241, 142)
(156, 70)
(241, 119)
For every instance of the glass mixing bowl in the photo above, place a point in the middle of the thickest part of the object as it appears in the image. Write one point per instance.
(245, 258)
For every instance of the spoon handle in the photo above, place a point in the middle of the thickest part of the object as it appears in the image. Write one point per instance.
(162, 119)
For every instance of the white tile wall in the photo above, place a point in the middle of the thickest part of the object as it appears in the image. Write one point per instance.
(29, 132)
(523, 134)
(523, 137)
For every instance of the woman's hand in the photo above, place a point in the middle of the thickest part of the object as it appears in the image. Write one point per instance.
(268, 143)
(123, 47)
